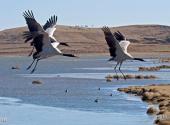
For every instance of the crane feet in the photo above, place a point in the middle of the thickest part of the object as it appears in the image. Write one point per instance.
(30, 54)
(117, 77)
(28, 67)
(32, 71)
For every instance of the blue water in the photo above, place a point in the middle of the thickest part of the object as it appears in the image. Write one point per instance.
(22, 102)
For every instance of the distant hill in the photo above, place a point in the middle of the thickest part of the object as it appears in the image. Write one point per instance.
(144, 38)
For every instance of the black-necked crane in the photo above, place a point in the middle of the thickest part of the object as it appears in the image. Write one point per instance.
(118, 48)
(49, 27)
(43, 40)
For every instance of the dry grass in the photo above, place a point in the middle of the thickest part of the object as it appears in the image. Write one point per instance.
(148, 69)
(156, 68)
(129, 76)
(164, 60)
(164, 67)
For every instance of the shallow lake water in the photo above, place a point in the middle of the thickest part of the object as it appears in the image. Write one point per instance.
(22, 102)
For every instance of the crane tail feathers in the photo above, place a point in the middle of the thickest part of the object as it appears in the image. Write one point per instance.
(69, 55)
(139, 59)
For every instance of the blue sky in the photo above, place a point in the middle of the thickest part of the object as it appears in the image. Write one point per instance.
(87, 12)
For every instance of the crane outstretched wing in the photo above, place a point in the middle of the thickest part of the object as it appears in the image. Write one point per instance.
(112, 42)
(50, 25)
(33, 25)
(122, 40)
(37, 39)
(42, 42)
(119, 36)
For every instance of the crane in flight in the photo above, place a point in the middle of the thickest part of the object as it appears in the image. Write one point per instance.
(118, 48)
(42, 39)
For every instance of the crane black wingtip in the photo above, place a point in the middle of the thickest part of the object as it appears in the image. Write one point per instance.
(28, 14)
(106, 29)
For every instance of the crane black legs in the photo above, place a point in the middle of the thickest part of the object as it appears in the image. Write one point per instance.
(32, 64)
(117, 77)
(119, 70)
(31, 51)
(35, 65)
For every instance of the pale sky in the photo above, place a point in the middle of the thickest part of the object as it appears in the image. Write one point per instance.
(86, 12)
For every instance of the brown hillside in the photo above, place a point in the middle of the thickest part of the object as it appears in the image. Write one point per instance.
(144, 38)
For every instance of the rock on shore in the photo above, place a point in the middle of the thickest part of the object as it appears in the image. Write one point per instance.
(156, 94)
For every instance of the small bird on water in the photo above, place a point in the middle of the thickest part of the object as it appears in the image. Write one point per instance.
(96, 100)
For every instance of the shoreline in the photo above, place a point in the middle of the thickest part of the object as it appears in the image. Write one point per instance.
(154, 94)
(153, 55)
